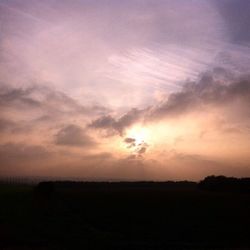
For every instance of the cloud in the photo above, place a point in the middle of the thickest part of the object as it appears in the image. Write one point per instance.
(46, 99)
(131, 142)
(26, 109)
(139, 149)
(117, 125)
(142, 150)
(199, 95)
(73, 135)
(215, 89)
(17, 96)
(38, 97)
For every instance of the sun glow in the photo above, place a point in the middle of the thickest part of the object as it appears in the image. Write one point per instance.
(140, 134)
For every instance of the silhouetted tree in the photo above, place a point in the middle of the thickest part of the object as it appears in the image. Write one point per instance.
(222, 183)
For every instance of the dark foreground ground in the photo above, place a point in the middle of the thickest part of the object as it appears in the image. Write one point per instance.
(123, 216)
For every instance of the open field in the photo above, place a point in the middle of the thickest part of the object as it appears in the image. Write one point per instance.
(123, 216)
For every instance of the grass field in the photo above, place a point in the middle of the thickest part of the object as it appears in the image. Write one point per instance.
(123, 216)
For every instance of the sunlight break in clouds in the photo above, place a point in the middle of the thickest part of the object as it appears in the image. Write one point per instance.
(137, 89)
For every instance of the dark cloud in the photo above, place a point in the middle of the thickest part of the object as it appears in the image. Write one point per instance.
(73, 135)
(106, 122)
(218, 88)
(138, 150)
(17, 96)
(25, 109)
(131, 142)
(118, 126)
(201, 94)
(142, 150)
(41, 97)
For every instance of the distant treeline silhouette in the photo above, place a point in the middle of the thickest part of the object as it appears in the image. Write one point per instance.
(210, 183)
(45, 189)
(225, 184)
(122, 184)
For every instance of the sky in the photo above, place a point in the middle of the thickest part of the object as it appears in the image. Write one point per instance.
(125, 90)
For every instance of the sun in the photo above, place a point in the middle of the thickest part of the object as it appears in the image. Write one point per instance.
(140, 134)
